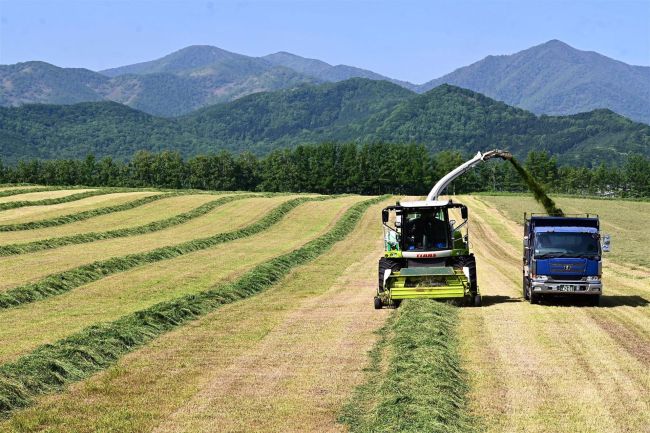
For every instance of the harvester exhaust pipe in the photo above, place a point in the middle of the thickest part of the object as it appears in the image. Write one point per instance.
(439, 187)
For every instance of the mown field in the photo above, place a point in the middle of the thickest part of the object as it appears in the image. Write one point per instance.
(183, 311)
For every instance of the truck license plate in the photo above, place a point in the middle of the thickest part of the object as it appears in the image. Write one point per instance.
(567, 287)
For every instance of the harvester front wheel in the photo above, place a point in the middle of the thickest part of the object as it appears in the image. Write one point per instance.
(478, 301)
(470, 263)
(378, 303)
(384, 265)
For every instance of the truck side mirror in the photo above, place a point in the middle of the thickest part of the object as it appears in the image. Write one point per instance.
(384, 216)
(606, 243)
(463, 212)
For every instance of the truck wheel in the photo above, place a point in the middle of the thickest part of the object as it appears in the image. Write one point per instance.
(384, 265)
(534, 298)
(378, 303)
(595, 300)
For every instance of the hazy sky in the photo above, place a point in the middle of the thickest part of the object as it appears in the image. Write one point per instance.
(409, 40)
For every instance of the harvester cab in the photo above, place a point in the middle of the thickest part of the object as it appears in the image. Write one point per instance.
(426, 247)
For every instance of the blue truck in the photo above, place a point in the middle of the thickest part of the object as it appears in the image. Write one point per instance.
(563, 257)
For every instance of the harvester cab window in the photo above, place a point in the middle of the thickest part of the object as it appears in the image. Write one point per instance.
(426, 230)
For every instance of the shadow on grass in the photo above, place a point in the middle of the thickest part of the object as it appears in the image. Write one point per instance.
(606, 301)
(623, 301)
(498, 299)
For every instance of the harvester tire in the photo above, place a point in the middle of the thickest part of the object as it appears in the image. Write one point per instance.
(378, 303)
(384, 265)
(478, 301)
(468, 262)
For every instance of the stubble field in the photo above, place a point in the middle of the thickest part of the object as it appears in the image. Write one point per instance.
(158, 311)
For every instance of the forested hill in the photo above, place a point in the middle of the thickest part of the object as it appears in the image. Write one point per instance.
(356, 110)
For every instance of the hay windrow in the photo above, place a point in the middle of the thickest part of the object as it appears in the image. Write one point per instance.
(84, 215)
(50, 367)
(422, 387)
(67, 280)
(45, 244)
(66, 199)
(18, 191)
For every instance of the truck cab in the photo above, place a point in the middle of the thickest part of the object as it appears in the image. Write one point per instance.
(562, 256)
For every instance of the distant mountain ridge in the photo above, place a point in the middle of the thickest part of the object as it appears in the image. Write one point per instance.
(355, 110)
(555, 78)
(176, 84)
(551, 78)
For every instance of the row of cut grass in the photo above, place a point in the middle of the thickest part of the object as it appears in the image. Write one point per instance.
(23, 329)
(57, 200)
(49, 368)
(16, 191)
(67, 280)
(164, 206)
(80, 238)
(4, 186)
(83, 215)
(29, 268)
(35, 213)
(415, 382)
(196, 377)
(48, 198)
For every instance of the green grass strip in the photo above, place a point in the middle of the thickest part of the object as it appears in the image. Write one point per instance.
(67, 280)
(11, 192)
(50, 367)
(415, 382)
(45, 244)
(84, 215)
(59, 200)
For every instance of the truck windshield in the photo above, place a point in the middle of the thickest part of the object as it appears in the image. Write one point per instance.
(566, 245)
(426, 230)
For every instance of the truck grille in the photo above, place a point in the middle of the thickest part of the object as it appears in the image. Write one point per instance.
(567, 277)
(564, 268)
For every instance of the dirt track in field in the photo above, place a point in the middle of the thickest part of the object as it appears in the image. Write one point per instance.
(562, 367)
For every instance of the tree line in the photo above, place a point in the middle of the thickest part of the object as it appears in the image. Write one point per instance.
(332, 168)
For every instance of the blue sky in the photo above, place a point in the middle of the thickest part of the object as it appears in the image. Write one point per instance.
(410, 40)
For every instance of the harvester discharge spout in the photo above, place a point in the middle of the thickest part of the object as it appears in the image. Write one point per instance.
(443, 183)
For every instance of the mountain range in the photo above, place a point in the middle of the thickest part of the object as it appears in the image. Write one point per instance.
(551, 78)
(354, 110)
